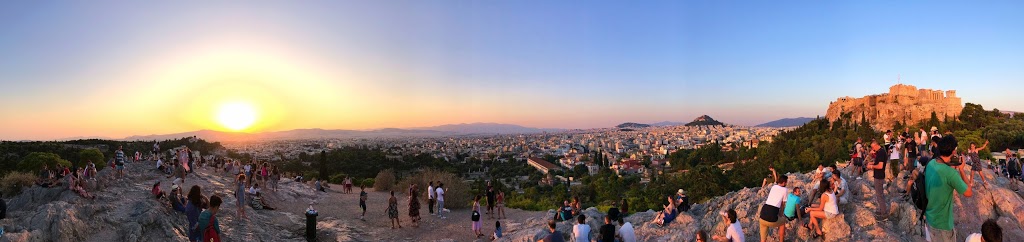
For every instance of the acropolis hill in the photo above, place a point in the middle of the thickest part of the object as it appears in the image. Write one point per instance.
(903, 103)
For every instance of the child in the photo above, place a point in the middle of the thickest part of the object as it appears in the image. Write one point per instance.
(362, 201)
(497, 230)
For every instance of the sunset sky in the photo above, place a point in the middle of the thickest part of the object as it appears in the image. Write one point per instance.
(120, 68)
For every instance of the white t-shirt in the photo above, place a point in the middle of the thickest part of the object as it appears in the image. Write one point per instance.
(248, 168)
(430, 192)
(440, 194)
(895, 155)
(975, 237)
(735, 232)
(846, 192)
(252, 190)
(581, 232)
(627, 233)
(159, 163)
(777, 195)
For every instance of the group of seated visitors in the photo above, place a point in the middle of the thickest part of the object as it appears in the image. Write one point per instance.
(256, 198)
(607, 232)
(76, 182)
(565, 212)
(47, 178)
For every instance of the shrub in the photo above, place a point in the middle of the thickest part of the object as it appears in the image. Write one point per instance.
(385, 180)
(91, 154)
(14, 182)
(337, 178)
(457, 195)
(368, 182)
(35, 161)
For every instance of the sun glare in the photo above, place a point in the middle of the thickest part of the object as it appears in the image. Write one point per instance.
(236, 115)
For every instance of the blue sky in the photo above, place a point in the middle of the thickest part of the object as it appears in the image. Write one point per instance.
(565, 64)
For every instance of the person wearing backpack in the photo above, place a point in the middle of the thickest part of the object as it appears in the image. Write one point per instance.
(771, 214)
(1013, 169)
(942, 177)
(208, 221)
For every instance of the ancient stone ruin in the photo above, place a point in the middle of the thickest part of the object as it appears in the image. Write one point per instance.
(903, 103)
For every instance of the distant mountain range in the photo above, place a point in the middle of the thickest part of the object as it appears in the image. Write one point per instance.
(704, 120)
(443, 130)
(786, 122)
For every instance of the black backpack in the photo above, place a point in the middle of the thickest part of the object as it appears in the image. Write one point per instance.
(1013, 167)
(918, 193)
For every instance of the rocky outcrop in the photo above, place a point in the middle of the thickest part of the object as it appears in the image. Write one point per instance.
(903, 103)
(124, 210)
(856, 222)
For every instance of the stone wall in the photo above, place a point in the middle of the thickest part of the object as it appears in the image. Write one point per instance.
(903, 103)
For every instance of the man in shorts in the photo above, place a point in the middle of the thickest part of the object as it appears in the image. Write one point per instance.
(119, 160)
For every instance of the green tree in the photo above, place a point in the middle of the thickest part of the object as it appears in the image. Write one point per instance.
(35, 161)
(91, 155)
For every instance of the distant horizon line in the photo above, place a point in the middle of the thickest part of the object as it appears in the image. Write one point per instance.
(367, 130)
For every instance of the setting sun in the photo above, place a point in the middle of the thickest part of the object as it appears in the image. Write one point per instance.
(236, 115)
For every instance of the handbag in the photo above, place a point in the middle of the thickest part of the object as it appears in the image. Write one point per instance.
(476, 216)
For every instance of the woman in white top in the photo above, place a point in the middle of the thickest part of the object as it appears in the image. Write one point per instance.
(826, 210)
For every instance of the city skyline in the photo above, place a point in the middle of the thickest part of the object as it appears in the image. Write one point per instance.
(116, 69)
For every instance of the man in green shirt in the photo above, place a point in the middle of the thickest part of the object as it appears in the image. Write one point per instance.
(941, 180)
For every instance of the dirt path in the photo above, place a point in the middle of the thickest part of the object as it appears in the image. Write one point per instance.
(339, 214)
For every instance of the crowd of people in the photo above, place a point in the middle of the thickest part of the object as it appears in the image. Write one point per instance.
(933, 169)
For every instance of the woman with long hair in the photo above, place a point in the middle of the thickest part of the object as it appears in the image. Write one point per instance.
(476, 217)
(393, 211)
(826, 210)
(240, 196)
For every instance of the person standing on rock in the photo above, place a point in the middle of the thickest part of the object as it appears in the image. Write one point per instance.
(878, 172)
(771, 214)
(430, 198)
(119, 160)
(414, 205)
(976, 164)
(475, 217)
(490, 200)
(941, 180)
(440, 200)
(193, 207)
(362, 201)
(501, 205)
(392, 211)
(208, 224)
(240, 196)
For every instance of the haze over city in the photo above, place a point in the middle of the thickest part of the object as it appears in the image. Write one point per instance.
(70, 70)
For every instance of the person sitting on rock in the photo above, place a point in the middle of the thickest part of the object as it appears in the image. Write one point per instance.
(78, 186)
(826, 210)
(555, 235)
(667, 215)
(990, 232)
(178, 202)
(733, 232)
(46, 178)
(157, 193)
(256, 198)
